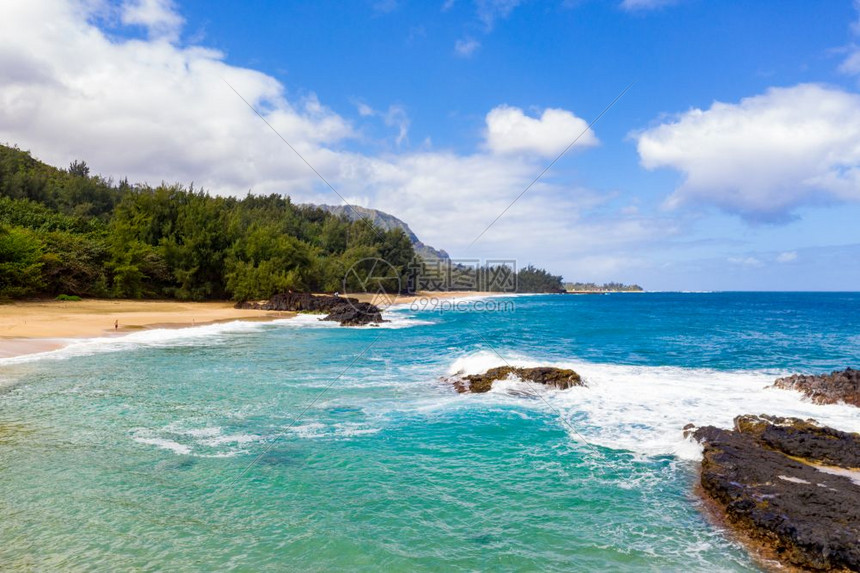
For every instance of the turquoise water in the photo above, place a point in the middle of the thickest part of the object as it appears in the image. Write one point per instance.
(299, 445)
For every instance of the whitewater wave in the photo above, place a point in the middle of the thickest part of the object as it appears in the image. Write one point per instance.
(208, 442)
(219, 333)
(213, 442)
(397, 318)
(643, 409)
(155, 338)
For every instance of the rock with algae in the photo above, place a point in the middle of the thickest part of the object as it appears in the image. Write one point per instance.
(764, 480)
(561, 378)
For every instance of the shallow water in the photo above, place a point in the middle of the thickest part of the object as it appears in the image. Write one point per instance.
(303, 445)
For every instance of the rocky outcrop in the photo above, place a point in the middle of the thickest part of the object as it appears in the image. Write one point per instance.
(804, 439)
(838, 386)
(761, 479)
(548, 376)
(355, 314)
(346, 311)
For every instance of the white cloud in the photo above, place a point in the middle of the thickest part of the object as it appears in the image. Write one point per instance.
(385, 6)
(488, 13)
(491, 10)
(787, 257)
(764, 156)
(466, 47)
(396, 117)
(511, 131)
(855, 26)
(365, 110)
(851, 64)
(149, 109)
(159, 17)
(155, 110)
(646, 4)
(745, 261)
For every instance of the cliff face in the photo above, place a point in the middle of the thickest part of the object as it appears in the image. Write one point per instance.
(387, 222)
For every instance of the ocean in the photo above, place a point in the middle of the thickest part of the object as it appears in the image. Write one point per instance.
(301, 445)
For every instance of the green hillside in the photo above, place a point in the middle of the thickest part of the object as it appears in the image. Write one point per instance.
(65, 231)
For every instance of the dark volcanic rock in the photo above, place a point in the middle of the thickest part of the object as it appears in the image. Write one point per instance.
(798, 514)
(838, 386)
(299, 302)
(346, 311)
(548, 376)
(355, 314)
(803, 439)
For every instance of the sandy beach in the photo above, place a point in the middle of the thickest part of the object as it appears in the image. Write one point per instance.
(39, 326)
(27, 327)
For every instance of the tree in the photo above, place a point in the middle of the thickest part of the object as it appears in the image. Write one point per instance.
(265, 262)
(20, 264)
(533, 279)
(79, 168)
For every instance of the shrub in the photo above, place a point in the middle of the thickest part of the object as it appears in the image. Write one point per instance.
(69, 298)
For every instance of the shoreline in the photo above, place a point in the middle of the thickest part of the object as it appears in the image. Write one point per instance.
(41, 326)
(33, 327)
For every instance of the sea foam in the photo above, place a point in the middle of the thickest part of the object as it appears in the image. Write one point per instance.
(194, 336)
(643, 409)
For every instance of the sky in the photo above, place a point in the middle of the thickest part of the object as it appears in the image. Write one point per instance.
(711, 145)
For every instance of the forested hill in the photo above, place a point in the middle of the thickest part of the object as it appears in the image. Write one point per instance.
(65, 231)
(68, 232)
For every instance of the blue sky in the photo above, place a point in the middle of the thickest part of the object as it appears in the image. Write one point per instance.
(733, 162)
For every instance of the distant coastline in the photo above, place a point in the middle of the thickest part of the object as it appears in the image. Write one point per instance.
(594, 288)
(603, 291)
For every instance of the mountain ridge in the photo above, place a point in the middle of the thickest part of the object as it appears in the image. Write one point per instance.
(386, 221)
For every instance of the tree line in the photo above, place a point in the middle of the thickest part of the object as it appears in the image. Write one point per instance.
(68, 232)
(65, 231)
(606, 287)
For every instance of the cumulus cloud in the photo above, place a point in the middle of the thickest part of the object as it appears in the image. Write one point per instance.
(764, 156)
(465, 47)
(511, 131)
(154, 109)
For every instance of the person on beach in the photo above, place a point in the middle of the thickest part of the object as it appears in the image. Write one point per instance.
(116, 324)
